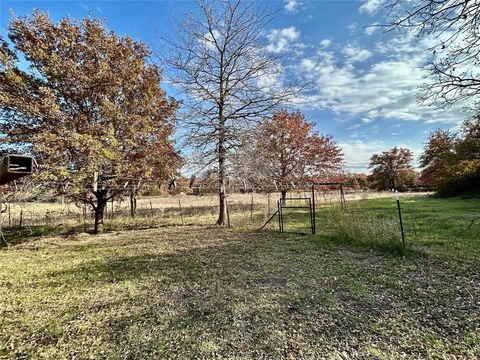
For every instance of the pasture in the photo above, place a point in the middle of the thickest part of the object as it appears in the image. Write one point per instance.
(207, 292)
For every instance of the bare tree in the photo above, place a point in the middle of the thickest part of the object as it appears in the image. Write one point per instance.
(454, 28)
(219, 60)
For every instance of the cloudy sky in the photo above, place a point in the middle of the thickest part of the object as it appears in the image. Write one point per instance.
(364, 82)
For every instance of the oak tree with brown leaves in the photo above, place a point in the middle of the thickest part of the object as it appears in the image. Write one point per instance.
(434, 160)
(392, 169)
(287, 151)
(451, 162)
(88, 102)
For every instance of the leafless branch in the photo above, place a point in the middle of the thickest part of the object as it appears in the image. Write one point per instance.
(454, 26)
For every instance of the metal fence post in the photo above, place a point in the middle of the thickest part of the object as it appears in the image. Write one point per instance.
(400, 218)
(314, 217)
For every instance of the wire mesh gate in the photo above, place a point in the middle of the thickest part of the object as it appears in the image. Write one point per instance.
(294, 204)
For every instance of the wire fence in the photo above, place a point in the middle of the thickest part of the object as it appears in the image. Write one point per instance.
(365, 218)
(425, 225)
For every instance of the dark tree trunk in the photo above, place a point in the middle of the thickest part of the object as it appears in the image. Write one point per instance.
(100, 209)
(133, 203)
(284, 194)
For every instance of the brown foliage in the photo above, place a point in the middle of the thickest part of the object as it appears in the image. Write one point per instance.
(438, 149)
(392, 169)
(287, 150)
(88, 102)
(451, 162)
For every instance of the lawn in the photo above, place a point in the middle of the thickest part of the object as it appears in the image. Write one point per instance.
(204, 292)
(432, 226)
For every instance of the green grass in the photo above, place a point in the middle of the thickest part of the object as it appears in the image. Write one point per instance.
(448, 227)
(204, 292)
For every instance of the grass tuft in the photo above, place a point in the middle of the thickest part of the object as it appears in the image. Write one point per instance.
(365, 229)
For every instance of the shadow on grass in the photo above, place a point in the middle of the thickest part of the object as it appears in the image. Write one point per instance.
(395, 249)
(118, 220)
(232, 293)
(18, 235)
(218, 293)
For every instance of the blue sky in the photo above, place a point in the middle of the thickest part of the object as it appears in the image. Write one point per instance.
(364, 81)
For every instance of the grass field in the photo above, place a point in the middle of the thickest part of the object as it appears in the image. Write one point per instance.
(24, 220)
(432, 226)
(205, 292)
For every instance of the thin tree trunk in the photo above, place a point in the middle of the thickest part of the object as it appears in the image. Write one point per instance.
(100, 210)
(181, 213)
(251, 210)
(268, 202)
(133, 203)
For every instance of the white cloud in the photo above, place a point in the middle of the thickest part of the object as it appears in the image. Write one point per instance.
(327, 59)
(354, 53)
(357, 153)
(291, 6)
(352, 27)
(355, 126)
(369, 30)
(209, 39)
(308, 64)
(270, 81)
(88, 8)
(282, 40)
(325, 43)
(387, 88)
(371, 6)
(368, 119)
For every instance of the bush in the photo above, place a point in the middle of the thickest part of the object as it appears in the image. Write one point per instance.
(467, 187)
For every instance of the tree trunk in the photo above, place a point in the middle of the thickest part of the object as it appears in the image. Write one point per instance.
(222, 215)
(222, 152)
(100, 209)
(133, 203)
(284, 194)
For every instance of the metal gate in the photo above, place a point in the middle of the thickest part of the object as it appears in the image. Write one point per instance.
(305, 203)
